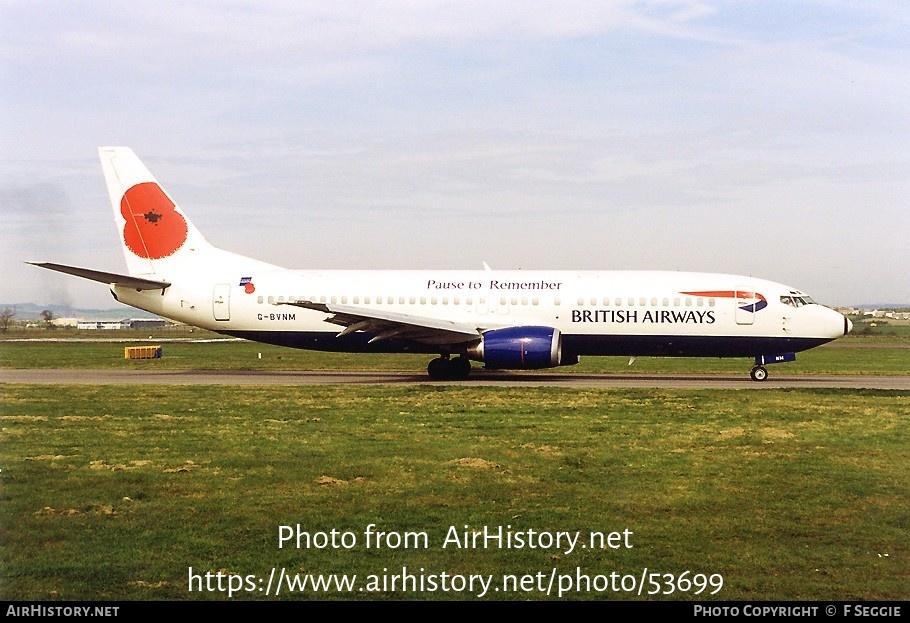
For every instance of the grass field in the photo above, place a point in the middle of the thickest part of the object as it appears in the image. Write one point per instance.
(842, 357)
(116, 492)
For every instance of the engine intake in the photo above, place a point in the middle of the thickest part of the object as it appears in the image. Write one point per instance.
(519, 348)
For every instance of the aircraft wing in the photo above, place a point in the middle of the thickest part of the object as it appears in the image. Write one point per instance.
(137, 283)
(386, 325)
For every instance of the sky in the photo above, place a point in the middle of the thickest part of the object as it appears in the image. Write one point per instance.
(766, 138)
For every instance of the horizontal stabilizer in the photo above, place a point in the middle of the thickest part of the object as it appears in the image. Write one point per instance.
(126, 281)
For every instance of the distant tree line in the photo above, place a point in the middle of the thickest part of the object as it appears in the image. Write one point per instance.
(6, 318)
(8, 314)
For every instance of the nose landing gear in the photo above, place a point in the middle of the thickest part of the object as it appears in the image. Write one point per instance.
(760, 373)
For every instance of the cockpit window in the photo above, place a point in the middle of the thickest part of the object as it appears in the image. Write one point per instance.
(795, 300)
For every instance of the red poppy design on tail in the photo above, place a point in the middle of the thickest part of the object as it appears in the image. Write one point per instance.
(154, 229)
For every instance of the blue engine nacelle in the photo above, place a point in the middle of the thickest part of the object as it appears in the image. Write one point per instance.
(519, 348)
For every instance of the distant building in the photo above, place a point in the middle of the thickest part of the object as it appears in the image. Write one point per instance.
(103, 324)
(129, 323)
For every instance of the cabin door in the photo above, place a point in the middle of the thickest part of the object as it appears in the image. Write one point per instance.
(221, 301)
(745, 306)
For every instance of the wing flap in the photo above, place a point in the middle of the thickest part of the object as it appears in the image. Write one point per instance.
(386, 325)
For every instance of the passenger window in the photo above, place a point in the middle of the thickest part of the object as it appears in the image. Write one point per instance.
(259, 300)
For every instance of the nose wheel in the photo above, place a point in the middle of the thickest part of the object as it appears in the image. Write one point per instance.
(759, 373)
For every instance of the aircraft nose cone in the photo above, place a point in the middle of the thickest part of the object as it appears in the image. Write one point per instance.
(848, 326)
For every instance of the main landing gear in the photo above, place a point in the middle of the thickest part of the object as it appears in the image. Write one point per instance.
(759, 373)
(446, 369)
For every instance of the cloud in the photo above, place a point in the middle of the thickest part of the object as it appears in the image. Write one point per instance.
(397, 133)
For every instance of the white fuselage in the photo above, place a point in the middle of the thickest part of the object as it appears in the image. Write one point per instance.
(597, 312)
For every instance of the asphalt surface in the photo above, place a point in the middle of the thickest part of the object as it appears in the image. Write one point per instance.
(479, 378)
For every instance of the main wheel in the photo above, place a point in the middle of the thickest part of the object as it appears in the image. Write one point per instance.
(461, 367)
(758, 373)
(438, 369)
(441, 369)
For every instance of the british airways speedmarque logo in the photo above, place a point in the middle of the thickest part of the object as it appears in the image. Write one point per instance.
(247, 283)
(759, 302)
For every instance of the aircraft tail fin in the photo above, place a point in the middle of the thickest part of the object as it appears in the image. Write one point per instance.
(154, 232)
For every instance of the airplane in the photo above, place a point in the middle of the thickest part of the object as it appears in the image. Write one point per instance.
(505, 319)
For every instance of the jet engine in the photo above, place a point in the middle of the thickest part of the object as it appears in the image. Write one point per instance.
(519, 348)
